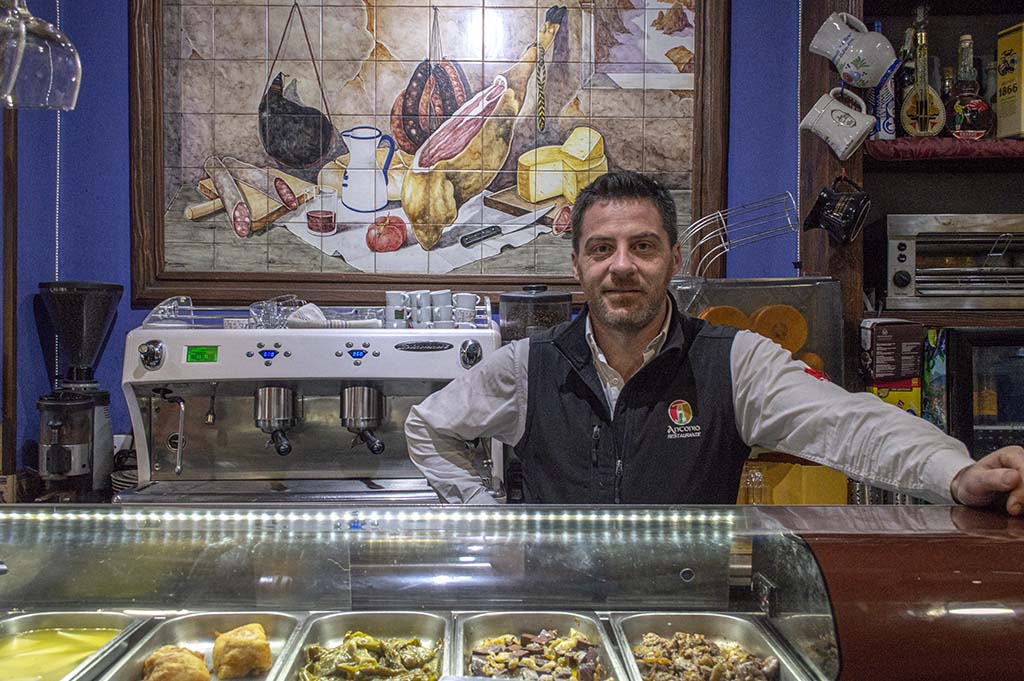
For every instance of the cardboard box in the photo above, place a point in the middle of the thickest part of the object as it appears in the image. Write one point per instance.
(8, 489)
(904, 394)
(786, 483)
(1010, 82)
(891, 350)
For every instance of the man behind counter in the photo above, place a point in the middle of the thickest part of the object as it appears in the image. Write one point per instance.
(635, 402)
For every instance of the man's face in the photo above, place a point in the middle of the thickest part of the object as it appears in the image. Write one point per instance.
(625, 263)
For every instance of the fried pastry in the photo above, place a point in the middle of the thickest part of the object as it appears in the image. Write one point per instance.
(171, 663)
(244, 651)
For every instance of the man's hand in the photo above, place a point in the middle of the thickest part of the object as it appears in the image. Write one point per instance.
(987, 482)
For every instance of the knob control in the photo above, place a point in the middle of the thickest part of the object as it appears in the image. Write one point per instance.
(902, 278)
(151, 354)
(470, 353)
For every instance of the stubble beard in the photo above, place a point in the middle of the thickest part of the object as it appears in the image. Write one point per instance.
(630, 320)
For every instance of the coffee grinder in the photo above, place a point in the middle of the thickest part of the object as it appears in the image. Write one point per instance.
(76, 442)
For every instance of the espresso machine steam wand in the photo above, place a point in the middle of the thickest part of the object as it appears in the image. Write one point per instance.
(361, 409)
(275, 414)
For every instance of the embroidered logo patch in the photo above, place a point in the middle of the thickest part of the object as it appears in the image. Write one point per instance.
(681, 414)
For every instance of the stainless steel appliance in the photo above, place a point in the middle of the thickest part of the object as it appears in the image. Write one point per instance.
(950, 262)
(985, 387)
(76, 451)
(226, 413)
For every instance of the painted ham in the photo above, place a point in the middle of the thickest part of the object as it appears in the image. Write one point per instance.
(477, 138)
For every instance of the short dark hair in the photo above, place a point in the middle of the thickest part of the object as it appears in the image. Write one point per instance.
(625, 185)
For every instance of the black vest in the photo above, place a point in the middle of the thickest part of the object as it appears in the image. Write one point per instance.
(671, 440)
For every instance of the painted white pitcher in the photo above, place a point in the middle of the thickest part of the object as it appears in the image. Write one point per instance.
(364, 184)
(862, 57)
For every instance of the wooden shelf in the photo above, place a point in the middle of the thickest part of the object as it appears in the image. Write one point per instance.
(947, 318)
(882, 8)
(944, 154)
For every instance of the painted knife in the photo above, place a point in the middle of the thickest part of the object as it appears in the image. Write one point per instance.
(513, 225)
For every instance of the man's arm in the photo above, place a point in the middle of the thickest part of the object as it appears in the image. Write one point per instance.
(489, 401)
(782, 407)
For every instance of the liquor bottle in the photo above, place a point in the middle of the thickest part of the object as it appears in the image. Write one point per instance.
(905, 75)
(968, 116)
(948, 78)
(991, 78)
(881, 101)
(922, 112)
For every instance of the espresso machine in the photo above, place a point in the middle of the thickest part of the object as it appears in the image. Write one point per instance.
(223, 412)
(76, 442)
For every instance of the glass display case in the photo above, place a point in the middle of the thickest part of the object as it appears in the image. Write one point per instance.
(828, 592)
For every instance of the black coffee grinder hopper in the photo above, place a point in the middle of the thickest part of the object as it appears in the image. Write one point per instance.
(76, 442)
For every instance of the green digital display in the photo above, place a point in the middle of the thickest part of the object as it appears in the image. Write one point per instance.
(201, 353)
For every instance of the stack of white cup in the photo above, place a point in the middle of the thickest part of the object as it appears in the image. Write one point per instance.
(425, 309)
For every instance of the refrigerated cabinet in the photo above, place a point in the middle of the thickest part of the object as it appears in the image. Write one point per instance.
(832, 592)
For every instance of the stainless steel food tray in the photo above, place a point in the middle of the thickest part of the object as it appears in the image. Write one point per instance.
(329, 629)
(472, 627)
(630, 628)
(196, 632)
(91, 667)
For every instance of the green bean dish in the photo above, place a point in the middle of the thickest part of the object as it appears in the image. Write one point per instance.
(361, 657)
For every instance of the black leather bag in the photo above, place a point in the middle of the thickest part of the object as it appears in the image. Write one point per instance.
(841, 214)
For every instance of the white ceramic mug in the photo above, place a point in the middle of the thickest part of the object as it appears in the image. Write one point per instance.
(463, 314)
(843, 128)
(396, 298)
(419, 298)
(466, 300)
(442, 313)
(418, 317)
(440, 298)
(395, 317)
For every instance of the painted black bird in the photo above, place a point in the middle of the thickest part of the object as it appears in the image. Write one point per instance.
(294, 135)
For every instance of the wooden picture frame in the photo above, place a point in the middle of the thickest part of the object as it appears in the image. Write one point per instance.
(152, 282)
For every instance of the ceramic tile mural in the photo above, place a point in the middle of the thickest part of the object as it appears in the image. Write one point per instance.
(384, 136)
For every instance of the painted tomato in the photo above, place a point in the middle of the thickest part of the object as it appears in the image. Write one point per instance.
(387, 233)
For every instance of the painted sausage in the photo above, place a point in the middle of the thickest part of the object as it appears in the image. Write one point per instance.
(229, 193)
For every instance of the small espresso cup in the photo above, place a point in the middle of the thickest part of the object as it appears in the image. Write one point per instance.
(418, 317)
(442, 297)
(395, 317)
(464, 314)
(467, 300)
(842, 127)
(419, 298)
(396, 298)
(442, 313)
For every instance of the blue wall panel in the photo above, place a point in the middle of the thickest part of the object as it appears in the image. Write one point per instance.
(763, 119)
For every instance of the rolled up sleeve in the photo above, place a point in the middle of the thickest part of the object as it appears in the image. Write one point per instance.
(780, 406)
(489, 401)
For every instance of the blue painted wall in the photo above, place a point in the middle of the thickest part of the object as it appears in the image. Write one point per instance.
(95, 220)
(763, 120)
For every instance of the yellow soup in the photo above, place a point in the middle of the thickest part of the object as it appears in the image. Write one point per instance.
(49, 654)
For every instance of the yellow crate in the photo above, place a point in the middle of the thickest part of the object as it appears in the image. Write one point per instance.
(1010, 83)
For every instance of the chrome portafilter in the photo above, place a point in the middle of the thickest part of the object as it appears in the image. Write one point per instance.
(361, 410)
(274, 414)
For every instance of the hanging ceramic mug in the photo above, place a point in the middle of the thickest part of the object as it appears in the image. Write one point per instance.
(863, 58)
(842, 127)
